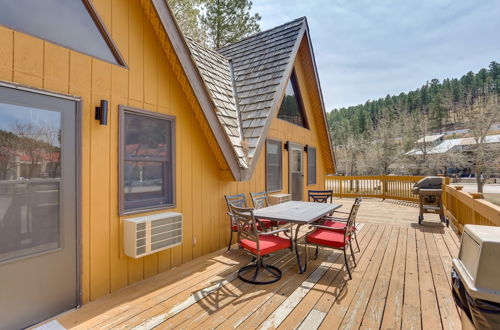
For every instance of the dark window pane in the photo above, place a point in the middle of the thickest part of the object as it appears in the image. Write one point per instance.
(147, 170)
(64, 22)
(147, 184)
(30, 170)
(311, 165)
(273, 166)
(147, 137)
(291, 108)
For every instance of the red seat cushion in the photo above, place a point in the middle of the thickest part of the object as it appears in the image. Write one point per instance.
(327, 238)
(268, 244)
(267, 223)
(335, 224)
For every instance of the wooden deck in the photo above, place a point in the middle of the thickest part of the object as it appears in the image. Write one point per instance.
(402, 280)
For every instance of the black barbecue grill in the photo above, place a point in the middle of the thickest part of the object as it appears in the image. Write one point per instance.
(429, 191)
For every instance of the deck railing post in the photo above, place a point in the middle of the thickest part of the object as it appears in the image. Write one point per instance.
(383, 186)
(340, 187)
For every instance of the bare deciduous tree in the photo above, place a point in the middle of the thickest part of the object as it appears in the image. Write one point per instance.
(485, 110)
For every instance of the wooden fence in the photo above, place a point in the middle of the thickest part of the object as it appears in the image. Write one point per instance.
(383, 186)
(461, 208)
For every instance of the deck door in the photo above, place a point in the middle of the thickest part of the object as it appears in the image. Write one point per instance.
(38, 222)
(296, 171)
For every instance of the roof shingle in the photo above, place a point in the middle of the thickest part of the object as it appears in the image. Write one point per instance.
(243, 80)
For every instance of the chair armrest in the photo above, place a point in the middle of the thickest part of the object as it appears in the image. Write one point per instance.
(326, 227)
(275, 231)
(335, 219)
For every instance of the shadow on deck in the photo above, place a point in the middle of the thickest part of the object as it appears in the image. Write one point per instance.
(402, 280)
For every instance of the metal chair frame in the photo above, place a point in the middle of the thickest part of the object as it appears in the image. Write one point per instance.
(348, 233)
(248, 229)
(357, 203)
(320, 196)
(259, 200)
(240, 201)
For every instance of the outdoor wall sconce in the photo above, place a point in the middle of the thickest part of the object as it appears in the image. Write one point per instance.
(286, 145)
(306, 148)
(101, 113)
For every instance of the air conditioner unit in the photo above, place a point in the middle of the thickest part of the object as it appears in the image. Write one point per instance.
(279, 198)
(152, 233)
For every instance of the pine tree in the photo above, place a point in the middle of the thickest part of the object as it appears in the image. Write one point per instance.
(228, 21)
(188, 16)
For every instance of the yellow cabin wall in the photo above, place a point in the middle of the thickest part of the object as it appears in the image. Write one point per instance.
(148, 83)
(285, 131)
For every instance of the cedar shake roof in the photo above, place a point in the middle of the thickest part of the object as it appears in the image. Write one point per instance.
(244, 81)
(238, 89)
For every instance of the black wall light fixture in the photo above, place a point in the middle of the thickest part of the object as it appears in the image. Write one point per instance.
(287, 145)
(101, 113)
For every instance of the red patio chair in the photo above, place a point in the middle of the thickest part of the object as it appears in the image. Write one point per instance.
(258, 244)
(340, 222)
(334, 238)
(260, 200)
(240, 201)
(320, 196)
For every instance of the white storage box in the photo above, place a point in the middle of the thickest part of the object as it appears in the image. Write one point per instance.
(279, 198)
(478, 262)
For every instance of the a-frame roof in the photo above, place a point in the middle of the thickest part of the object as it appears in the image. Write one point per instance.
(244, 84)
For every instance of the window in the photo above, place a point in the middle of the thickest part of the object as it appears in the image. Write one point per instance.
(311, 165)
(70, 23)
(273, 166)
(30, 179)
(292, 109)
(147, 152)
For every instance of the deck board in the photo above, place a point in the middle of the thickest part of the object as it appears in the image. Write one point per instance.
(401, 281)
(392, 313)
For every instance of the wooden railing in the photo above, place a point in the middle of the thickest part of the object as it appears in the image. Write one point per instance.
(463, 208)
(383, 186)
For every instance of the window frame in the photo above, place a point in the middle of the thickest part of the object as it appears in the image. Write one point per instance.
(280, 144)
(309, 182)
(298, 96)
(123, 110)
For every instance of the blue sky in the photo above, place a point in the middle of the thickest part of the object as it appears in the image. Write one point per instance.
(367, 49)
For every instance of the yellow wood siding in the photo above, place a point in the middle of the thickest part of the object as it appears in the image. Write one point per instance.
(150, 82)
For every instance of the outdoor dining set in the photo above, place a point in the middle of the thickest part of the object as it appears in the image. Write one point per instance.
(265, 229)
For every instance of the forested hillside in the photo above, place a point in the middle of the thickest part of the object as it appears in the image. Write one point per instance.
(374, 138)
(443, 103)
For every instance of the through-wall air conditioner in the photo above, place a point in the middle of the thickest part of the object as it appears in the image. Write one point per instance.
(152, 233)
(279, 198)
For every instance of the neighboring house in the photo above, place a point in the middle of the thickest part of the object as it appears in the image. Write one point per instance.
(430, 141)
(179, 126)
(460, 145)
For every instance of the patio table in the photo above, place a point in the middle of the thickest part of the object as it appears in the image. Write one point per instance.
(296, 212)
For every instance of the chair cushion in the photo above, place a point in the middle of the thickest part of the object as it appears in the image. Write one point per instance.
(267, 223)
(327, 237)
(268, 244)
(335, 224)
